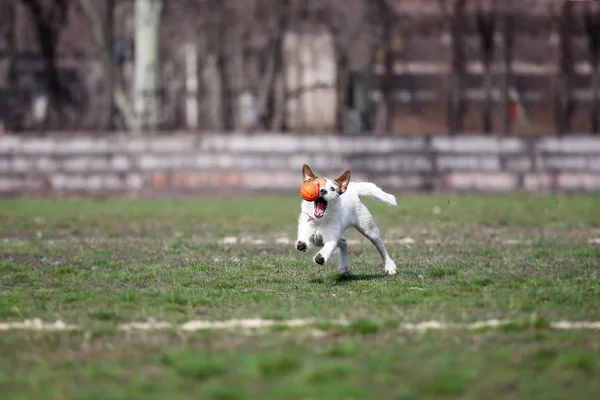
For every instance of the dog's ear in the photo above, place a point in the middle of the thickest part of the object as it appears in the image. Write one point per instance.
(343, 181)
(307, 174)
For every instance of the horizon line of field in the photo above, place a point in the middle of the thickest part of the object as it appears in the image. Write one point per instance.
(37, 324)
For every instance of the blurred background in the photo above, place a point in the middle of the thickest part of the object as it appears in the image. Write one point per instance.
(352, 66)
(364, 68)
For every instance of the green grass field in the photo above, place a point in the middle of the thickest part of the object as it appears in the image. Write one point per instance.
(530, 261)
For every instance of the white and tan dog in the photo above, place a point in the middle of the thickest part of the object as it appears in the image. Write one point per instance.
(323, 222)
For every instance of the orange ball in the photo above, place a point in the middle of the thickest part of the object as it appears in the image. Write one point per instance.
(310, 191)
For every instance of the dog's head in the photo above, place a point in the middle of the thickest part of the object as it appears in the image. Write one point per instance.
(331, 189)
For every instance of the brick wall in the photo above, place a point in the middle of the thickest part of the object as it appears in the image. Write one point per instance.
(206, 163)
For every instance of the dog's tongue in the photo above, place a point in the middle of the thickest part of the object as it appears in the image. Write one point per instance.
(319, 207)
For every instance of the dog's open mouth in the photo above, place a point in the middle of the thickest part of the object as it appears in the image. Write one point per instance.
(320, 207)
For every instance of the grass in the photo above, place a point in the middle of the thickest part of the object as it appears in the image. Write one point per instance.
(98, 264)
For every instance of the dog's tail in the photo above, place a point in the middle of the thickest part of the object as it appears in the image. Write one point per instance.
(369, 189)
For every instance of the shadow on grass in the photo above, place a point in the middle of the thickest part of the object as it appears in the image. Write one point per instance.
(359, 277)
(342, 279)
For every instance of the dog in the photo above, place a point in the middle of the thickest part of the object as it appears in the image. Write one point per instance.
(323, 222)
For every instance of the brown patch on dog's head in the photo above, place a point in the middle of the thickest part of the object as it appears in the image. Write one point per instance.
(322, 182)
(307, 174)
(343, 181)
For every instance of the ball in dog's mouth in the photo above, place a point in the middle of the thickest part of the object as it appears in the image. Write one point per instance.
(320, 207)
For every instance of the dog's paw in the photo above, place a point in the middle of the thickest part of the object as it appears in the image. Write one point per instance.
(344, 271)
(301, 246)
(319, 259)
(390, 268)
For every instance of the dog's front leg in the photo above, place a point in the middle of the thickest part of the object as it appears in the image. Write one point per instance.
(325, 254)
(331, 237)
(306, 230)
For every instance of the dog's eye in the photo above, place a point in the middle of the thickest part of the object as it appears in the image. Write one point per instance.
(332, 189)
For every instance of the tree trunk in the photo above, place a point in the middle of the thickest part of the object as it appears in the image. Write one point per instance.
(110, 68)
(279, 100)
(387, 85)
(508, 33)
(211, 95)
(47, 33)
(191, 85)
(238, 75)
(341, 108)
(147, 102)
(103, 39)
(486, 24)
(592, 24)
(12, 67)
(226, 92)
(267, 82)
(272, 89)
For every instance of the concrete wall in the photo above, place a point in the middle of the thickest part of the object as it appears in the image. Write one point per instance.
(205, 163)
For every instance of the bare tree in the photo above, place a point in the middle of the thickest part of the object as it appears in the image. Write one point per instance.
(49, 18)
(147, 83)
(102, 33)
(385, 14)
(271, 89)
(222, 30)
(346, 22)
(8, 22)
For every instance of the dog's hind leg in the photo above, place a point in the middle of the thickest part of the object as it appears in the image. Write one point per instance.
(367, 227)
(343, 267)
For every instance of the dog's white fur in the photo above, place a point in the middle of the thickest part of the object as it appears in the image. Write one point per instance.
(344, 209)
